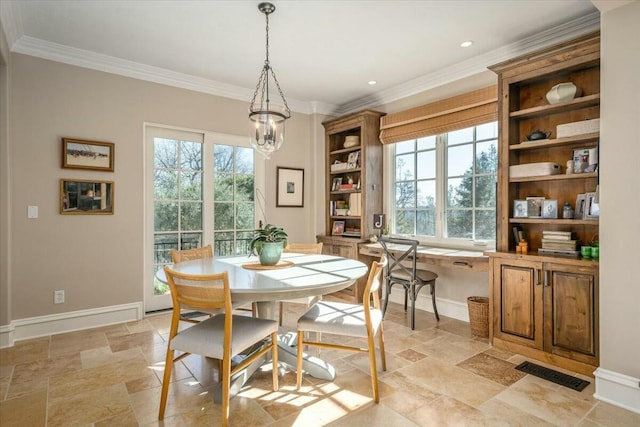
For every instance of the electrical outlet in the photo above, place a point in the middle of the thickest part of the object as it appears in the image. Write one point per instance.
(58, 297)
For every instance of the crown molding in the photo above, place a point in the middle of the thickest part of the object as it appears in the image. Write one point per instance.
(20, 43)
(477, 64)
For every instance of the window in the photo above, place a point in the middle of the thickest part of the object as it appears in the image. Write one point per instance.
(201, 191)
(444, 186)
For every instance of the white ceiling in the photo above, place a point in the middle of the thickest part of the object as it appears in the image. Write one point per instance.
(323, 52)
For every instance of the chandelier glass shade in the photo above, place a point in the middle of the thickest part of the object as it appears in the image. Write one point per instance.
(267, 118)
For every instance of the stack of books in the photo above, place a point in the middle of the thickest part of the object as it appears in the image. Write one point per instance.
(558, 243)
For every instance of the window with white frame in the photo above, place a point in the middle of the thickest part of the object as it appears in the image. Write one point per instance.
(444, 186)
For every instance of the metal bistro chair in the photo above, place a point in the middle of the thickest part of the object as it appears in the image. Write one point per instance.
(410, 278)
(222, 336)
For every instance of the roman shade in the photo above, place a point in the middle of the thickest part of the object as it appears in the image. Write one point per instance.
(458, 112)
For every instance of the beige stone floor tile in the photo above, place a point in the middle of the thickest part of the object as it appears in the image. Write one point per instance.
(127, 419)
(147, 338)
(33, 376)
(545, 401)
(183, 396)
(140, 326)
(82, 381)
(5, 377)
(75, 342)
(140, 384)
(447, 411)
(361, 361)
(104, 356)
(27, 387)
(408, 398)
(443, 378)
(451, 349)
(25, 351)
(160, 322)
(411, 355)
(606, 414)
(374, 415)
(394, 343)
(85, 408)
(499, 353)
(27, 410)
(498, 410)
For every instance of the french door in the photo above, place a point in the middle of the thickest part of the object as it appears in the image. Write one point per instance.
(200, 190)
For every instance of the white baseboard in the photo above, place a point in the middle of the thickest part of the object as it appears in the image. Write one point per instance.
(618, 389)
(34, 327)
(448, 308)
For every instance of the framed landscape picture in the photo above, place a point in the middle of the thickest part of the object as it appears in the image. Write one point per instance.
(80, 154)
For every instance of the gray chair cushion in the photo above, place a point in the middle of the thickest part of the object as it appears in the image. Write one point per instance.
(207, 337)
(338, 318)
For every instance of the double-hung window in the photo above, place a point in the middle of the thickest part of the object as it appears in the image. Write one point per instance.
(443, 186)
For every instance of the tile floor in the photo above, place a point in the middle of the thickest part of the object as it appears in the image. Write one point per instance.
(437, 375)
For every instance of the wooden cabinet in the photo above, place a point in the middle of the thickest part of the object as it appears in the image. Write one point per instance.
(546, 308)
(353, 186)
(523, 108)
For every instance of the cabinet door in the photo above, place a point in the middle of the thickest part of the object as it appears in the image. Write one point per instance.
(571, 312)
(345, 251)
(517, 293)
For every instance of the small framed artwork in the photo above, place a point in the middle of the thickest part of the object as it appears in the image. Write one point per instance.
(338, 228)
(520, 209)
(580, 206)
(80, 154)
(592, 209)
(289, 187)
(534, 206)
(84, 197)
(353, 160)
(336, 184)
(550, 208)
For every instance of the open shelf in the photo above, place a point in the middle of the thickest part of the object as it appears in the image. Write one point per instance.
(570, 222)
(588, 139)
(558, 177)
(543, 110)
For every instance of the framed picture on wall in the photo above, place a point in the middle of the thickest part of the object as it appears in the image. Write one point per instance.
(84, 197)
(289, 187)
(81, 154)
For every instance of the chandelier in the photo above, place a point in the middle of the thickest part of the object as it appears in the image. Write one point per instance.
(267, 119)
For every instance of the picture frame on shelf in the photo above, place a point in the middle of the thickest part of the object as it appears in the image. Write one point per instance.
(550, 208)
(579, 212)
(534, 207)
(592, 209)
(86, 197)
(520, 209)
(92, 155)
(289, 187)
(335, 186)
(338, 228)
(353, 161)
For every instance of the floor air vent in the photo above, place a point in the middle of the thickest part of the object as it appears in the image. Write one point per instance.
(574, 383)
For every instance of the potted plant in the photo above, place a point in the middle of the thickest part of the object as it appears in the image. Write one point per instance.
(267, 243)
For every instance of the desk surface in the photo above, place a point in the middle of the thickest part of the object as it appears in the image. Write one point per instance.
(310, 275)
(444, 257)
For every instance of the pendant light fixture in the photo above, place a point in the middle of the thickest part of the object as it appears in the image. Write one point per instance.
(267, 133)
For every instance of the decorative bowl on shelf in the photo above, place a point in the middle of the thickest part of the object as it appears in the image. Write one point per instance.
(351, 141)
(562, 92)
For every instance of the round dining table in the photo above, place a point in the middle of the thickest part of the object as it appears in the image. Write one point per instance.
(296, 276)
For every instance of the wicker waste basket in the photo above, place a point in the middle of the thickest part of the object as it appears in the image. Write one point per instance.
(479, 316)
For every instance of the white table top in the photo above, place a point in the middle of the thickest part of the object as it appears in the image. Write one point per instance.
(310, 275)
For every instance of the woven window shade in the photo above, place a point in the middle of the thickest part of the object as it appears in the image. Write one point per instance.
(459, 112)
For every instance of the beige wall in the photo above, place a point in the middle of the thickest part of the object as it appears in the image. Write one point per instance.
(620, 191)
(98, 259)
(5, 298)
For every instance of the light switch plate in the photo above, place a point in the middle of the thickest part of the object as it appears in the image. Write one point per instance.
(32, 212)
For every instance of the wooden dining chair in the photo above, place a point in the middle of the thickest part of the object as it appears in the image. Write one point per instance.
(353, 320)
(301, 248)
(200, 253)
(222, 336)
